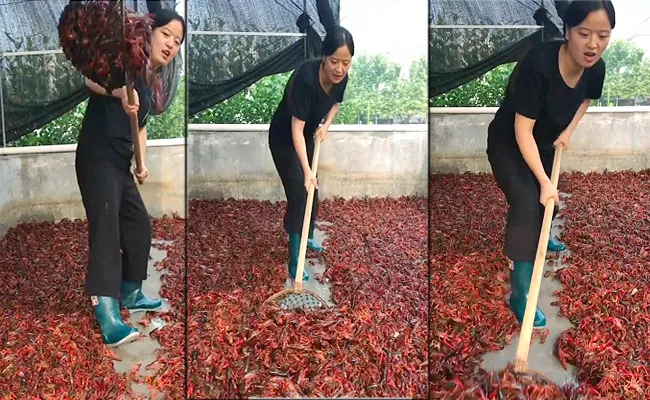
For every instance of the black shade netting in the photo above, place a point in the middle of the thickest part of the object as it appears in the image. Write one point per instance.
(39, 88)
(222, 65)
(458, 55)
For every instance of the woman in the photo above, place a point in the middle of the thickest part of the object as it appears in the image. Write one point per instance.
(548, 93)
(119, 227)
(313, 92)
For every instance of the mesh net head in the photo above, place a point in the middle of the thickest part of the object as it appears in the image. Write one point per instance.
(301, 300)
(298, 300)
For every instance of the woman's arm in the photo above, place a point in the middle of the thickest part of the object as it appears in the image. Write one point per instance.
(297, 128)
(142, 140)
(331, 115)
(576, 118)
(565, 137)
(96, 88)
(528, 147)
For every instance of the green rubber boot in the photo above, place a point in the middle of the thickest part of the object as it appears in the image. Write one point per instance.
(134, 300)
(520, 277)
(311, 244)
(294, 250)
(114, 331)
(555, 245)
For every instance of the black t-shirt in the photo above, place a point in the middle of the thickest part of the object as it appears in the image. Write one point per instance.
(537, 91)
(304, 98)
(106, 128)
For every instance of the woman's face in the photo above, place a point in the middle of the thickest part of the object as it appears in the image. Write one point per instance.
(166, 42)
(337, 65)
(587, 42)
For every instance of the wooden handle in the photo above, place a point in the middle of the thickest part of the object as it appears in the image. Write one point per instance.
(135, 128)
(306, 222)
(523, 346)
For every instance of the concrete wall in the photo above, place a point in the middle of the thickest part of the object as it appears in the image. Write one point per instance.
(613, 138)
(39, 183)
(234, 161)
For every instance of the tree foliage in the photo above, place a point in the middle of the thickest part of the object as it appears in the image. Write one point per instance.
(65, 129)
(628, 74)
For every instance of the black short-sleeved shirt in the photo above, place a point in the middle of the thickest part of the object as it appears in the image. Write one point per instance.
(304, 98)
(106, 128)
(537, 91)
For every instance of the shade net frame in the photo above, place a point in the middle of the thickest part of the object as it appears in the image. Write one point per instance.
(235, 43)
(37, 82)
(468, 38)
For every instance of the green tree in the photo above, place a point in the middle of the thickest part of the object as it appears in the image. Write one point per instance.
(374, 79)
(485, 91)
(171, 123)
(413, 93)
(65, 129)
(627, 72)
(254, 105)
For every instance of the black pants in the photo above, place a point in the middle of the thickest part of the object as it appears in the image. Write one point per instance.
(288, 166)
(522, 191)
(119, 228)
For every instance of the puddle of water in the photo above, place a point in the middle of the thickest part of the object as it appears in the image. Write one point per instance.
(144, 350)
(541, 356)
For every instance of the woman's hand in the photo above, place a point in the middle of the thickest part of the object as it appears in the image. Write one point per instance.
(141, 174)
(310, 179)
(563, 140)
(131, 110)
(547, 191)
(321, 133)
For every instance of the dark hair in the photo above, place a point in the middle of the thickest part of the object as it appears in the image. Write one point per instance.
(165, 16)
(578, 11)
(337, 37)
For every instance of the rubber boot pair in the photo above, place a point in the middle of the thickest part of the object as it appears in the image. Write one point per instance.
(520, 277)
(311, 243)
(107, 309)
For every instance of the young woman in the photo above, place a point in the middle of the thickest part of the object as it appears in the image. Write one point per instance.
(548, 94)
(119, 227)
(313, 92)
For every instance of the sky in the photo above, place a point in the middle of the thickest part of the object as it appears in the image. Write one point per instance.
(398, 28)
(633, 18)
